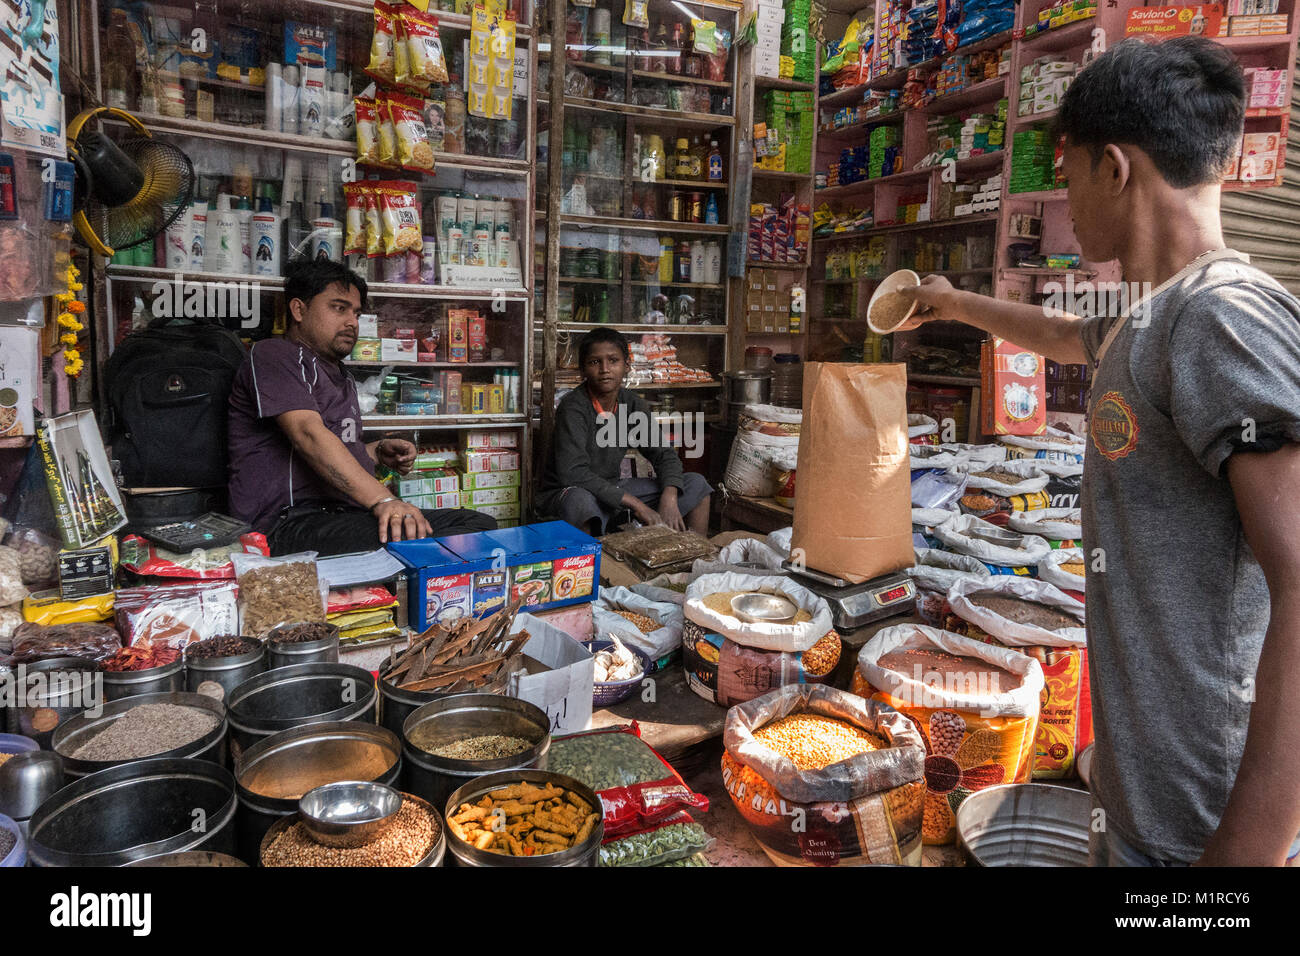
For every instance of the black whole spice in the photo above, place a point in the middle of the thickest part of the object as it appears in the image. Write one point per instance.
(7, 842)
(227, 645)
(301, 633)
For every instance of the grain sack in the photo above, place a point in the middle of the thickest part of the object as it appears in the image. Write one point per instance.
(934, 574)
(866, 809)
(852, 520)
(1010, 613)
(784, 467)
(1064, 479)
(922, 430)
(1065, 569)
(1060, 526)
(749, 467)
(748, 556)
(1054, 444)
(998, 548)
(977, 724)
(729, 661)
(922, 457)
(991, 454)
(665, 588)
(779, 541)
(937, 489)
(1006, 478)
(771, 420)
(654, 642)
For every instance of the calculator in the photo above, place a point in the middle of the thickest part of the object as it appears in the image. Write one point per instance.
(212, 530)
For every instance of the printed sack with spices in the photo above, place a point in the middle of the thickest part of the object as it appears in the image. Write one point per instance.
(977, 716)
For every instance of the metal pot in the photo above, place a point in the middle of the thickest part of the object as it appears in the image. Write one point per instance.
(229, 672)
(396, 705)
(1026, 824)
(469, 715)
(585, 854)
(169, 678)
(27, 781)
(53, 690)
(136, 810)
(432, 858)
(194, 858)
(72, 734)
(299, 694)
(322, 651)
(748, 388)
(322, 753)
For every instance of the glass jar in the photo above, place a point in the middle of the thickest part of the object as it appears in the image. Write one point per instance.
(787, 380)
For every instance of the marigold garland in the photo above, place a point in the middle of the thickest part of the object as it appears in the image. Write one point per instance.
(67, 319)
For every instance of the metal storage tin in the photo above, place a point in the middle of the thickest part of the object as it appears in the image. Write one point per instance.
(169, 678)
(72, 734)
(298, 694)
(70, 689)
(229, 672)
(322, 651)
(1026, 824)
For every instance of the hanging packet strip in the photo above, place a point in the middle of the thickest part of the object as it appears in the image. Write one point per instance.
(399, 208)
(367, 130)
(354, 220)
(374, 224)
(387, 133)
(502, 75)
(401, 54)
(424, 47)
(413, 149)
(382, 42)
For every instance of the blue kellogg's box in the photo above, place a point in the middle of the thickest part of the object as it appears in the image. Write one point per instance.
(548, 565)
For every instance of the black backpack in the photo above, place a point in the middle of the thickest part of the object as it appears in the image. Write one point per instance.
(167, 388)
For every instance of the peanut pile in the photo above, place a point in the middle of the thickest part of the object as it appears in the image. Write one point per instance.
(410, 838)
(642, 623)
(813, 742)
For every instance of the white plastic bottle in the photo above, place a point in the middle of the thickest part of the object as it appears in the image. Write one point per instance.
(713, 262)
(266, 239)
(197, 236)
(244, 210)
(224, 252)
(699, 262)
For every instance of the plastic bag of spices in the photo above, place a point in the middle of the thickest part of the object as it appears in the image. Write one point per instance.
(825, 778)
(39, 642)
(278, 590)
(637, 787)
(673, 838)
(1041, 620)
(975, 705)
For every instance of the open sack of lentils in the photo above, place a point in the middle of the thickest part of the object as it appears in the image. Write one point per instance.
(730, 657)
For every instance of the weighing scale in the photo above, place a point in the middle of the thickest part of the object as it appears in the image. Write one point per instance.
(856, 605)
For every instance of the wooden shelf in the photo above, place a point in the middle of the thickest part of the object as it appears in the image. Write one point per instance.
(986, 91)
(651, 113)
(397, 422)
(778, 83)
(896, 78)
(894, 116)
(645, 329)
(650, 225)
(1042, 195)
(658, 385)
(973, 220)
(1254, 44)
(1014, 271)
(955, 381)
(780, 174)
(677, 78)
(1076, 34)
(787, 266)
(366, 363)
(650, 283)
(153, 274)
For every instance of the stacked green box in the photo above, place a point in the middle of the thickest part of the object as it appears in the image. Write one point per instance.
(1031, 162)
(796, 41)
(882, 137)
(792, 117)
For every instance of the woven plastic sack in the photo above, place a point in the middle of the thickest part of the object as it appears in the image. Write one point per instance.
(794, 638)
(655, 644)
(996, 547)
(1050, 570)
(860, 811)
(1054, 524)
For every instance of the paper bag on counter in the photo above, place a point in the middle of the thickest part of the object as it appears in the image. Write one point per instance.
(853, 516)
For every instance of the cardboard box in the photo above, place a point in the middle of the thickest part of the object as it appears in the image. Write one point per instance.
(87, 503)
(471, 481)
(20, 379)
(479, 461)
(1014, 389)
(503, 513)
(563, 688)
(397, 350)
(489, 439)
(489, 496)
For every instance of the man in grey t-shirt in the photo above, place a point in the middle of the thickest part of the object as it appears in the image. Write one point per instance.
(1191, 491)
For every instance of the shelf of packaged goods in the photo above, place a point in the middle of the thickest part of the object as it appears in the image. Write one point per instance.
(366, 363)
(1034, 272)
(780, 83)
(896, 78)
(645, 329)
(953, 381)
(399, 422)
(1076, 34)
(972, 220)
(153, 274)
(1259, 112)
(781, 175)
(786, 266)
(650, 113)
(1041, 195)
(680, 183)
(861, 126)
(253, 135)
(986, 91)
(846, 234)
(651, 283)
(648, 386)
(678, 78)
(861, 186)
(1033, 119)
(1254, 44)
(447, 20)
(650, 225)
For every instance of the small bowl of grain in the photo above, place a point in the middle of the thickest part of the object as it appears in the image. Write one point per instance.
(890, 307)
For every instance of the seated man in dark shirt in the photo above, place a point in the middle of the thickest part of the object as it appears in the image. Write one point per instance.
(299, 471)
(581, 483)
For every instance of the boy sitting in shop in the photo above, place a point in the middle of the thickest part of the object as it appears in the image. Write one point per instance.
(581, 483)
(299, 471)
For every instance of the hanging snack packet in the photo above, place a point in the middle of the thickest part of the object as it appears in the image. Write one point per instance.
(387, 133)
(413, 149)
(424, 46)
(381, 65)
(705, 36)
(367, 130)
(374, 226)
(354, 223)
(399, 208)
(636, 13)
(401, 55)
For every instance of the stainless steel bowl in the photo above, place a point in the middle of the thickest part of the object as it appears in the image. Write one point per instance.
(1026, 824)
(348, 814)
(764, 608)
(27, 780)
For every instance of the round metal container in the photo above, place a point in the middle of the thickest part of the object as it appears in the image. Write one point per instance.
(585, 854)
(298, 694)
(748, 388)
(169, 678)
(26, 781)
(229, 672)
(395, 704)
(53, 690)
(194, 858)
(72, 734)
(1026, 824)
(316, 754)
(432, 858)
(323, 651)
(134, 811)
(470, 715)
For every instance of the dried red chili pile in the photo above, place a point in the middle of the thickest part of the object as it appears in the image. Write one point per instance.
(142, 657)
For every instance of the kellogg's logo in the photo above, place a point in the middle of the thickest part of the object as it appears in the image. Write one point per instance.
(1114, 426)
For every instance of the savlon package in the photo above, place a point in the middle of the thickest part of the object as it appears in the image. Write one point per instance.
(548, 565)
